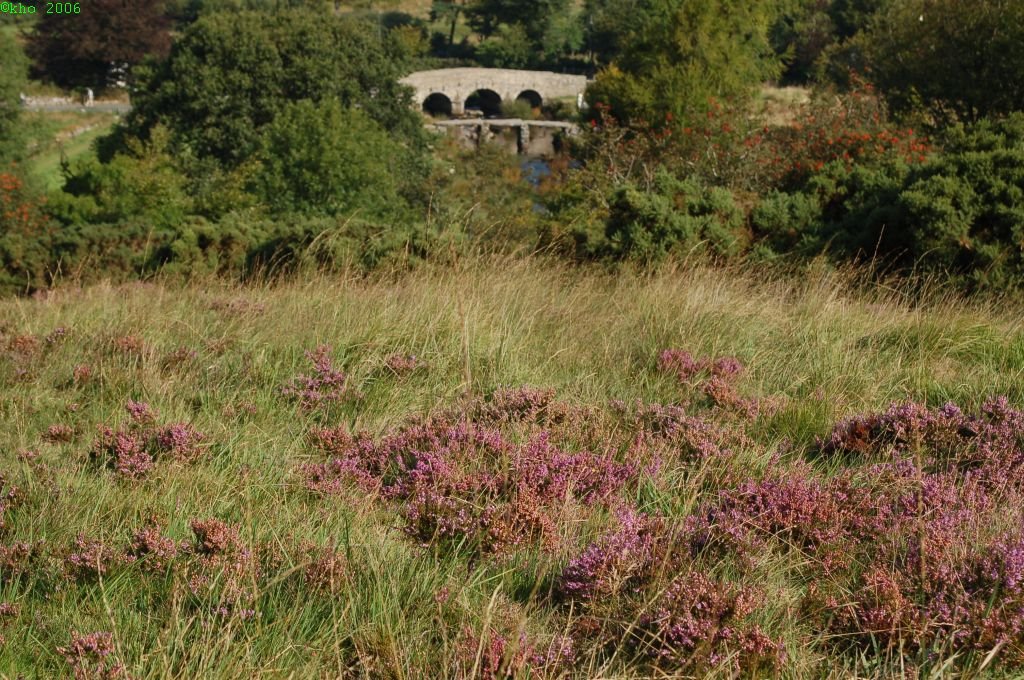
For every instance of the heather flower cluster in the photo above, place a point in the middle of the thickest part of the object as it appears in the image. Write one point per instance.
(10, 497)
(402, 364)
(327, 569)
(91, 558)
(134, 451)
(667, 538)
(153, 551)
(461, 483)
(497, 655)
(905, 546)
(225, 570)
(716, 379)
(131, 346)
(699, 622)
(178, 358)
(641, 586)
(92, 657)
(326, 385)
(58, 433)
(686, 367)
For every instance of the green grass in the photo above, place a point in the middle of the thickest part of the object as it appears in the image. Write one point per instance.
(592, 337)
(57, 135)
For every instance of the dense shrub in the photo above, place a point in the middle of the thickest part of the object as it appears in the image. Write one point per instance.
(960, 212)
(25, 236)
(143, 182)
(947, 59)
(676, 217)
(325, 159)
(239, 245)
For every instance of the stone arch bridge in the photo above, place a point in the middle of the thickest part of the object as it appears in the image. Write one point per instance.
(447, 91)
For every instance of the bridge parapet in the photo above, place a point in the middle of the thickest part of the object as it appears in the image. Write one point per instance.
(457, 84)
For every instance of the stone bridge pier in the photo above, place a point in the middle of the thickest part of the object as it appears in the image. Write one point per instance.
(531, 138)
(445, 92)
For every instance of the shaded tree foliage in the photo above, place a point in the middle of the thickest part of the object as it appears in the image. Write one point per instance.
(953, 60)
(187, 11)
(519, 33)
(91, 48)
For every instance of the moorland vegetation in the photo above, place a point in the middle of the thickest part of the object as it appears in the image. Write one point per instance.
(293, 387)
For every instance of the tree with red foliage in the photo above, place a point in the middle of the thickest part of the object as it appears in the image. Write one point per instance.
(96, 47)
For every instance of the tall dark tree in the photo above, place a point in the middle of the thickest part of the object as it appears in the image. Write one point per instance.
(448, 12)
(97, 47)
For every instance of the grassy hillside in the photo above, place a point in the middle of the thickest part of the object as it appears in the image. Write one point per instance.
(57, 135)
(216, 529)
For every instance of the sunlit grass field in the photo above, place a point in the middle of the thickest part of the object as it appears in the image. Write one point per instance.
(58, 136)
(230, 546)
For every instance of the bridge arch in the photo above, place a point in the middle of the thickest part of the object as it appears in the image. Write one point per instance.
(486, 100)
(438, 105)
(532, 97)
(458, 84)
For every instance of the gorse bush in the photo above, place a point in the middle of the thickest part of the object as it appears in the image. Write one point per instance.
(960, 212)
(843, 180)
(677, 216)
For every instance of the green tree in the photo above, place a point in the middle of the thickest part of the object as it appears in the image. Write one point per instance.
(677, 55)
(535, 31)
(485, 16)
(12, 80)
(448, 12)
(231, 74)
(323, 159)
(510, 47)
(610, 24)
(953, 60)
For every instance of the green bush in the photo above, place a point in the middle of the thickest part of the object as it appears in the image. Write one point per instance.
(12, 80)
(143, 182)
(327, 160)
(240, 245)
(518, 108)
(960, 213)
(673, 216)
(948, 59)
